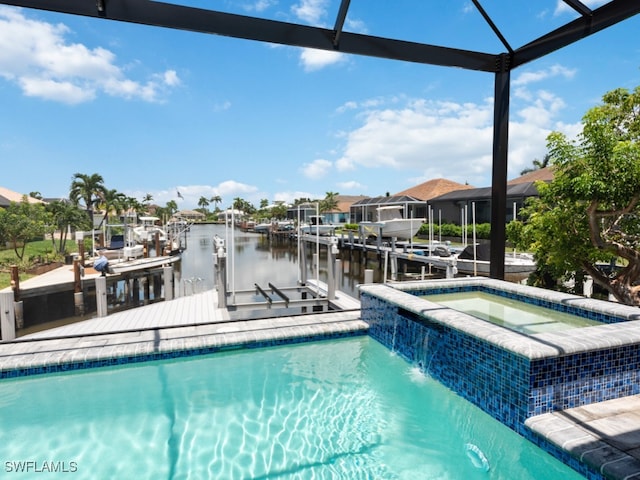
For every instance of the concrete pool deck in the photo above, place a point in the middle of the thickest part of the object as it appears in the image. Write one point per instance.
(604, 435)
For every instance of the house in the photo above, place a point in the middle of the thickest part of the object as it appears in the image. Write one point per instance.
(341, 214)
(189, 215)
(414, 200)
(7, 196)
(365, 210)
(476, 202)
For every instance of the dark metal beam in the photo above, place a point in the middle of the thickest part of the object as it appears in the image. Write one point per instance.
(252, 28)
(601, 18)
(342, 15)
(493, 26)
(579, 7)
(499, 172)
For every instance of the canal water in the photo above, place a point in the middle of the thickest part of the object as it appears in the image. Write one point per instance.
(254, 258)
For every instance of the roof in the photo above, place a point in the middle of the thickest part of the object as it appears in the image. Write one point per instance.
(345, 202)
(542, 174)
(393, 200)
(515, 190)
(7, 196)
(433, 188)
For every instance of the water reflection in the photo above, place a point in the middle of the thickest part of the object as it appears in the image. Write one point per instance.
(253, 258)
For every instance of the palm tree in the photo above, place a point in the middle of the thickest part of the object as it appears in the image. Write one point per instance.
(537, 165)
(330, 202)
(203, 203)
(89, 188)
(216, 200)
(65, 216)
(112, 202)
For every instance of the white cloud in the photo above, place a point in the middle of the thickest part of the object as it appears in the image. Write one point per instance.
(259, 5)
(316, 169)
(290, 197)
(310, 11)
(562, 7)
(544, 74)
(351, 186)
(313, 59)
(448, 139)
(37, 56)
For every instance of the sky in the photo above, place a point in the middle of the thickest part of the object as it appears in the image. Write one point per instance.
(159, 111)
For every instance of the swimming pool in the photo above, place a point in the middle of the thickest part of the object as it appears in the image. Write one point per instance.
(332, 409)
(511, 313)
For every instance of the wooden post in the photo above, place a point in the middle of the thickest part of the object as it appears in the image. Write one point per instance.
(147, 290)
(15, 283)
(81, 251)
(179, 286)
(136, 292)
(167, 273)
(77, 284)
(157, 244)
(7, 316)
(101, 296)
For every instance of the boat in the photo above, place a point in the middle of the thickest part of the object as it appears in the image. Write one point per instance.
(147, 230)
(477, 263)
(390, 224)
(316, 226)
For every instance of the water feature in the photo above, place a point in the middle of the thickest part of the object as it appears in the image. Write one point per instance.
(332, 409)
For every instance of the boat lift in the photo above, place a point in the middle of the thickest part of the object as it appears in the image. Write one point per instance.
(307, 293)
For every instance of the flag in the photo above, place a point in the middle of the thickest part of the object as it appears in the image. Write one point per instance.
(179, 194)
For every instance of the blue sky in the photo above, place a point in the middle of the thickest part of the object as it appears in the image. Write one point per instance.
(159, 111)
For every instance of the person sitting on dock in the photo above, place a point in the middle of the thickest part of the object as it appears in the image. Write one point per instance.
(101, 264)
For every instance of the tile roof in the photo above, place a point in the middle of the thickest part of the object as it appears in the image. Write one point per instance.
(542, 174)
(433, 188)
(7, 196)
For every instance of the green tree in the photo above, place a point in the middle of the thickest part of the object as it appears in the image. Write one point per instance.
(537, 165)
(330, 202)
(21, 222)
(112, 203)
(589, 216)
(171, 208)
(88, 188)
(216, 199)
(203, 203)
(65, 216)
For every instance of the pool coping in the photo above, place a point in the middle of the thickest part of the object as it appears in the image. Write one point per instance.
(26, 357)
(603, 435)
(531, 346)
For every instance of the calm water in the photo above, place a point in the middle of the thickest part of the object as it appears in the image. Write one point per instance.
(510, 313)
(326, 410)
(254, 259)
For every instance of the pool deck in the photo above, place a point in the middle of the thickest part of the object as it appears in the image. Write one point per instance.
(604, 435)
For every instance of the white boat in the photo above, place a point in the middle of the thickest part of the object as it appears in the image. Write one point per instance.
(478, 264)
(316, 226)
(147, 230)
(391, 224)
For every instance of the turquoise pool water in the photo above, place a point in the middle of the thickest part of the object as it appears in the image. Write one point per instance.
(513, 314)
(334, 409)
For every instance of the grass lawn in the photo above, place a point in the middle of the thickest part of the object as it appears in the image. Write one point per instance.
(41, 249)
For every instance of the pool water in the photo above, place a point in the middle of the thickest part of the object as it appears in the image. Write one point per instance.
(333, 409)
(513, 314)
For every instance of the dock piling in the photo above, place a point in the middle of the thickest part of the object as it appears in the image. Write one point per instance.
(101, 296)
(7, 316)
